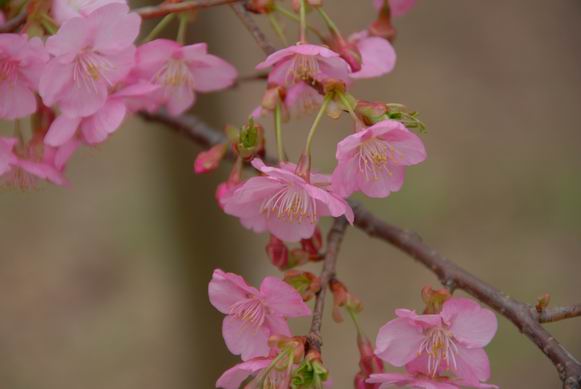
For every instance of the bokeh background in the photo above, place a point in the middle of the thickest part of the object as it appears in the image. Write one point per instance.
(104, 284)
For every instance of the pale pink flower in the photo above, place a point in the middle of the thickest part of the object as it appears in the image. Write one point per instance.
(304, 62)
(91, 54)
(63, 10)
(397, 7)
(236, 375)
(21, 63)
(373, 159)
(452, 340)
(377, 55)
(97, 127)
(284, 203)
(254, 315)
(419, 381)
(181, 71)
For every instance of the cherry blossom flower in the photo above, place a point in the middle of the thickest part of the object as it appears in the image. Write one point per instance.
(304, 62)
(181, 71)
(254, 315)
(452, 340)
(284, 203)
(419, 381)
(91, 54)
(377, 55)
(21, 64)
(373, 160)
(236, 375)
(397, 7)
(63, 10)
(97, 127)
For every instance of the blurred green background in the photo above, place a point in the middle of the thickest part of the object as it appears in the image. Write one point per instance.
(104, 285)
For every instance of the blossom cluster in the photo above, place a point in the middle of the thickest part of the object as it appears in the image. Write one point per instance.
(79, 74)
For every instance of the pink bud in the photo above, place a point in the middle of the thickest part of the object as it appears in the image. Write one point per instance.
(313, 245)
(347, 50)
(209, 160)
(277, 252)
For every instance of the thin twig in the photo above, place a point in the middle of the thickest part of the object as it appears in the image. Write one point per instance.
(451, 275)
(334, 239)
(13, 24)
(163, 9)
(549, 315)
(253, 28)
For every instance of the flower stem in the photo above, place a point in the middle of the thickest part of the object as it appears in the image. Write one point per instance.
(277, 28)
(315, 125)
(159, 27)
(182, 29)
(355, 321)
(288, 14)
(347, 105)
(303, 21)
(278, 133)
(329, 22)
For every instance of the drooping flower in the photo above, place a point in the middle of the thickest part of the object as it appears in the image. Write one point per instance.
(97, 127)
(304, 62)
(21, 63)
(377, 55)
(397, 7)
(63, 10)
(91, 54)
(254, 315)
(283, 203)
(373, 159)
(236, 375)
(450, 341)
(181, 71)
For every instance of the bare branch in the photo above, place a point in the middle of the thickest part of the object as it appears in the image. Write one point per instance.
(163, 9)
(334, 239)
(549, 315)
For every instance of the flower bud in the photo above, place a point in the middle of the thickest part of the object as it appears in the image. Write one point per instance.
(382, 26)
(543, 302)
(277, 252)
(310, 373)
(434, 299)
(273, 96)
(347, 50)
(306, 283)
(342, 298)
(369, 363)
(371, 112)
(260, 6)
(250, 141)
(313, 245)
(209, 160)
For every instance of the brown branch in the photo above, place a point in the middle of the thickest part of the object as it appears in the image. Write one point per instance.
(525, 318)
(334, 239)
(253, 28)
(14, 23)
(163, 9)
(549, 315)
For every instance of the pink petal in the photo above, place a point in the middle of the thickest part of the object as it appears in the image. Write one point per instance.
(61, 130)
(472, 364)
(384, 183)
(233, 377)
(398, 342)
(104, 122)
(55, 78)
(180, 99)
(283, 298)
(16, 100)
(152, 56)
(378, 58)
(212, 73)
(278, 325)
(244, 339)
(72, 37)
(114, 28)
(472, 325)
(290, 232)
(226, 289)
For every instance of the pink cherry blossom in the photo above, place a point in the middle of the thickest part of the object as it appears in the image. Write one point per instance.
(397, 7)
(377, 55)
(63, 10)
(181, 71)
(21, 64)
(254, 315)
(284, 203)
(233, 377)
(452, 340)
(304, 62)
(91, 54)
(373, 160)
(97, 127)
(419, 381)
